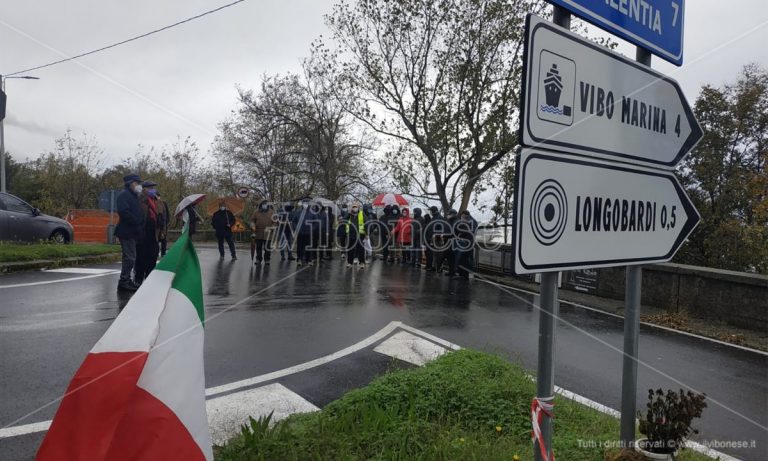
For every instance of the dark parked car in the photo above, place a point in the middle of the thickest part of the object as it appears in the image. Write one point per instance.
(20, 221)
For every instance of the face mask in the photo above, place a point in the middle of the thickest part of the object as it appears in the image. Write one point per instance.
(137, 188)
(354, 210)
(263, 208)
(305, 205)
(152, 193)
(344, 208)
(222, 208)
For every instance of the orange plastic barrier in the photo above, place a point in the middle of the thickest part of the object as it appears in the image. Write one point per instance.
(91, 225)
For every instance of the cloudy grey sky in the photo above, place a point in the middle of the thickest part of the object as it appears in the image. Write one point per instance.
(182, 81)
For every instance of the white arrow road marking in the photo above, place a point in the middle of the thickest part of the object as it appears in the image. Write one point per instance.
(228, 412)
(410, 348)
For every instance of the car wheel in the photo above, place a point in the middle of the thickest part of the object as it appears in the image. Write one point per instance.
(59, 236)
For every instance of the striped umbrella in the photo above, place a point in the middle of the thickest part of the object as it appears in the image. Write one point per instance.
(389, 199)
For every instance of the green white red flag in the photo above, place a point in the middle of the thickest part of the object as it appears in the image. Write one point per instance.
(140, 392)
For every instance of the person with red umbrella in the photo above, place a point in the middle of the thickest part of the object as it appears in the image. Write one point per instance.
(390, 199)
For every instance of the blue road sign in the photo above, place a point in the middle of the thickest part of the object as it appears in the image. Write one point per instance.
(656, 25)
(107, 200)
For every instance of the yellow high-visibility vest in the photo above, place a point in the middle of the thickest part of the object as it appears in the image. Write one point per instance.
(360, 223)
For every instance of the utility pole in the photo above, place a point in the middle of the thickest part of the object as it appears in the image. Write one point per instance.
(2, 129)
(2, 134)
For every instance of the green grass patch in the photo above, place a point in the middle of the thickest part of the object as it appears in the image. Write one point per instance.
(13, 252)
(467, 405)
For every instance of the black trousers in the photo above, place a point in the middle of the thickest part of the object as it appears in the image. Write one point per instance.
(465, 262)
(263, 249)
(355, 249)
(387, 252)
(230, 242)
(146, 256)
(430, 256)
(303, 250)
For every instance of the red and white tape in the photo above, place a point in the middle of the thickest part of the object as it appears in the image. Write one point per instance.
(541, 406)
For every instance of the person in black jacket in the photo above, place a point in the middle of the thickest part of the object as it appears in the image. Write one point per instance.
(222, 221)
(442, 241)
(285, 232)
(417, 229)
(130, 228)
(341, 230)
(452, 217)
(303, 220)
(465, 230)
(429, 233)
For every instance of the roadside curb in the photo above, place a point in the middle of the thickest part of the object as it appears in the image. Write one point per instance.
(40, 264)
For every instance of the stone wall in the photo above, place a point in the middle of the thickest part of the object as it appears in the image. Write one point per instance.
(737, 298)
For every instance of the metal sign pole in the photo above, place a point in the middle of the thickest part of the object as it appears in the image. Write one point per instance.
(631, 332)
(545, 375)
(548, 313)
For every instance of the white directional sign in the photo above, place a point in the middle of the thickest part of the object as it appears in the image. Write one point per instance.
(583, 98)
(576, 212)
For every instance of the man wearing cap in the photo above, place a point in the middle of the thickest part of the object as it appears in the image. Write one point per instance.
(130, 228)
(147, 247)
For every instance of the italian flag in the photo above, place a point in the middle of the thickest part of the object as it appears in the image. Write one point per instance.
(140, 392)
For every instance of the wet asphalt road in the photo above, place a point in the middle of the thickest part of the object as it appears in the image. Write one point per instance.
(283, 316)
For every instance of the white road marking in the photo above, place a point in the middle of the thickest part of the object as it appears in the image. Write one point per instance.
(79, 270)
(46, 282)
(410, 348)
(381, 334)
(15, 431)
(228, 412)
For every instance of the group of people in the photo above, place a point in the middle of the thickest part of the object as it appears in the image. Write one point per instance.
(142, 230)
(436, 242)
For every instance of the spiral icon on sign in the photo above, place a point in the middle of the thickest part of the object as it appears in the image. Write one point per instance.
(549, 212)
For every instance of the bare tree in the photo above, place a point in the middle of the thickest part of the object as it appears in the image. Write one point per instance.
(442, 77)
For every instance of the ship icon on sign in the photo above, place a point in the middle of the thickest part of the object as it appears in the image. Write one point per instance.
(557, 76)
(553, 88)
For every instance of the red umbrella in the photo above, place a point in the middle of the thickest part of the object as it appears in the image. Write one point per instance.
(389, 199)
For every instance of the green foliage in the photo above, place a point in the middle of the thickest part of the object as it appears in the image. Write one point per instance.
(668, 418)
(467, 405)
(11, 252)
(726, 176)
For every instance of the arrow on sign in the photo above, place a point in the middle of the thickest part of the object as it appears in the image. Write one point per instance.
(583, 98)
(578, 213)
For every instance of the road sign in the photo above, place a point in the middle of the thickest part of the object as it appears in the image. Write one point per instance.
(107, 200)
(583, 98)
(243, 192)
(575, 212)
(656, 25)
